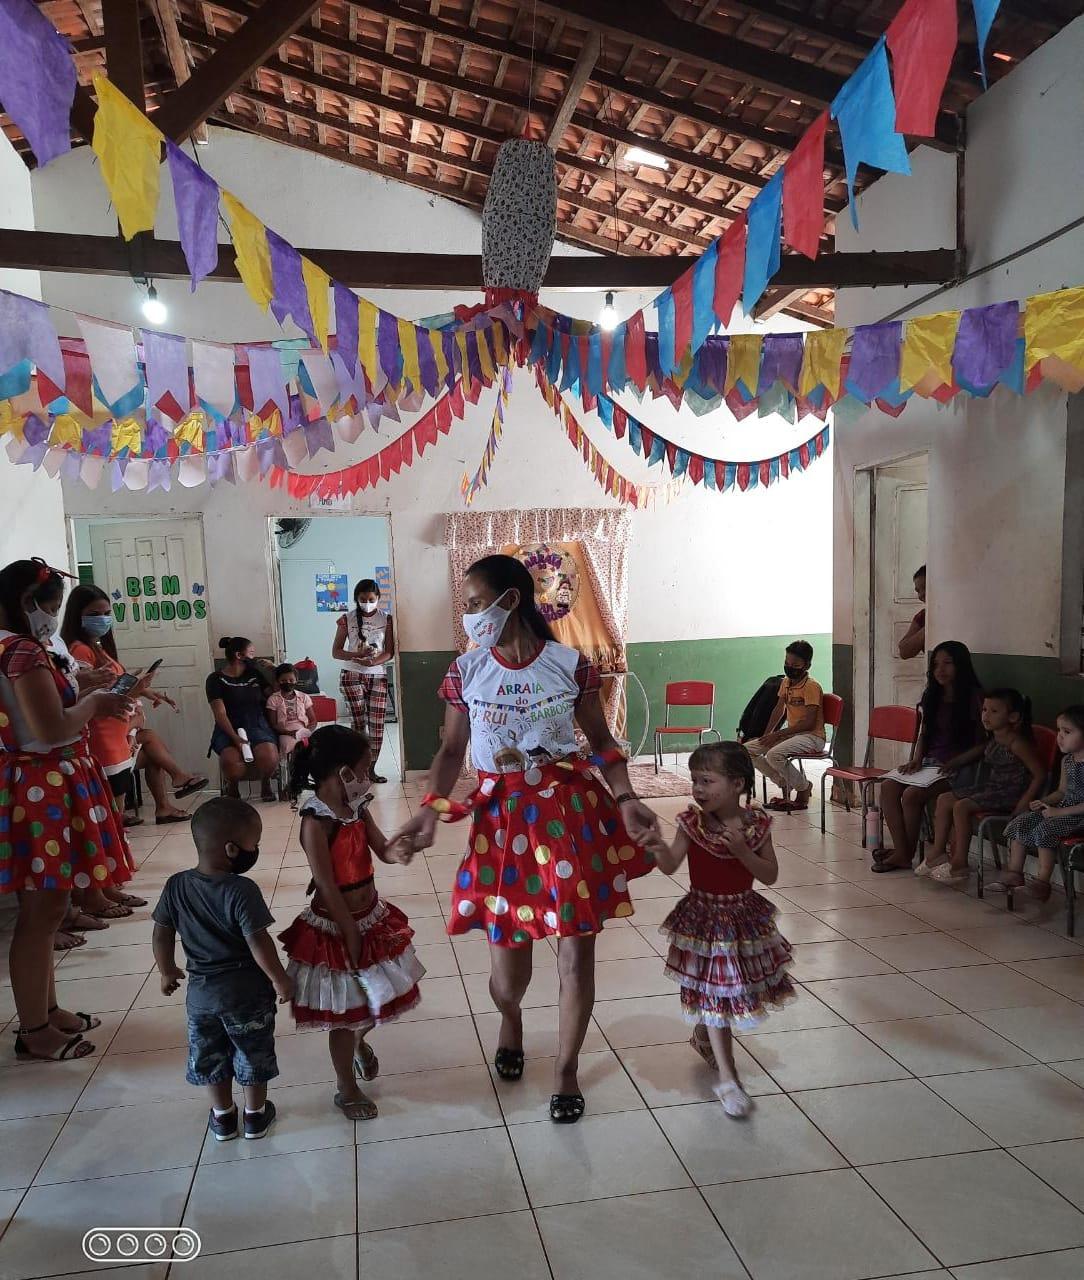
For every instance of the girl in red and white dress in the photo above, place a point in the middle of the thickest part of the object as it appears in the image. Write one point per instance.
(725, 950)
(59, 825)
(551, 850)
(351, 957)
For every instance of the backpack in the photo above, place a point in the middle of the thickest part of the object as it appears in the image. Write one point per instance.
(758, 711)
(308, 676)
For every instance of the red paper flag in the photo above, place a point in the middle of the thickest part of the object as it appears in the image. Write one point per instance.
(729, 271)
(696, 468)
(765, 473)
(647, 439)
(455, 401)
(671, 455)
(607, 348)
(803, 190)
(406, 445)
(743, 476)
(682, 293)
(77, 380)
(635, 352)
(583, 350)
(803, 455)
(784, 465)
(244, 385)
(922, 39)
(621, 422)
(720, 475)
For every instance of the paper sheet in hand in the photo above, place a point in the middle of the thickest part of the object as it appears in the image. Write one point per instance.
(924, 777)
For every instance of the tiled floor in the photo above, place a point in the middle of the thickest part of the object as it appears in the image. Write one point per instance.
(919, 1109)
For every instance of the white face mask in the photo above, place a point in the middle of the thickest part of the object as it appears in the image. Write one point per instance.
(370, 606)
(485, 628)
(357, 794)
(43, 625)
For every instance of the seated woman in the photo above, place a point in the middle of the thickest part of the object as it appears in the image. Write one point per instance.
(289, 710)
(237, 694)
(154, 758)
(950, 723)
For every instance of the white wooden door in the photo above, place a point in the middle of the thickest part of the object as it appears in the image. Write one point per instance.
(155, 575)
(898, 549)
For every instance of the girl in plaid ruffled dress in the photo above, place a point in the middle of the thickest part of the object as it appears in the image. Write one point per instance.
(725, 951)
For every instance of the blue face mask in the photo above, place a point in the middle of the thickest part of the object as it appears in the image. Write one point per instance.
(97, 624)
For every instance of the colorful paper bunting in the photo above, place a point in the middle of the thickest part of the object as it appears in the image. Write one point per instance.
(986, 343)
(762, 243)
(195, 195)
(130, 150)
(928, 343)
(985, 13)
(37, 78)
(730, 269)
(803, 190)
(922, 41)
(253, 255)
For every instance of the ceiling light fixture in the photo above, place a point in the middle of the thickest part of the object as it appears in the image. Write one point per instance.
(637, 156)
(607, 317)
(154, 309)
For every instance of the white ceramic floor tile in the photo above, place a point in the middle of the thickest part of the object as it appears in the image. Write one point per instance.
(98, 995)
(1065, 975)
(601, 1156)
(416, 1046)
(822, 1058)
(1014, 942)
(843, 959)
(872, 922)
(799, 926)
(633, 1238)
(622, 979)
(642, 1020)
(460, 1250)
(972, 1208)
(40, 1089)
(831, 897)
(278, 1200)
(1061, 1164)
(604, 1084)
(974, 988)
(893, 1120)
(334, 1258)
(463, 1175)
(540, 1033)
(915, 952)
(879, 998)
(1051, 1033)
(670, 1075)
(1065, 1264)
(92, 961)
(938, 1046)
(24, 1144)
(441, 998)
(140, 1138)
(801, 1013)
(163, 1027)
(122, 1078)
(775, 1138)
(1017, 1105)
(306, 1120)
(824, 1226)
(418, 1103)
(1071, 1070)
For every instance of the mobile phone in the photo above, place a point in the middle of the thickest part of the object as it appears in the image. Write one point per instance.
(127, 682)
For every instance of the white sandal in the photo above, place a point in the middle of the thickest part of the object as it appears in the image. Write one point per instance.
(945, 873)
(736, 1102)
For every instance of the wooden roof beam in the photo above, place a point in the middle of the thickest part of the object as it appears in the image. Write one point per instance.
(264, 30)
(105, 255)
(167, 16)
(574, 87)
(123, 49)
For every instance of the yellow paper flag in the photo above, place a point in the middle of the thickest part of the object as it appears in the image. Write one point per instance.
(317, 285)
(10, 421)
(127, 435)
(367, 321)
(485, 360)
(408, 345)
(129, 148)
(190, 429)
(253, 256)
(927, 344)
(743, 362)
(821, 360)
(1054, 326)
(500, 349)
(436, 341)
(67, 432)
(464, 359)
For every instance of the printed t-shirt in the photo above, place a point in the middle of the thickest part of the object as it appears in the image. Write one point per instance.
(110, 744)
(798, 697)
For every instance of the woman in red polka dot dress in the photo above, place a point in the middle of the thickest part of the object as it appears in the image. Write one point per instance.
(551, 850)
(59, 828)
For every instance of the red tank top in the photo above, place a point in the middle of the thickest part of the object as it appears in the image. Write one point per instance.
(351, 857)
(711, 868)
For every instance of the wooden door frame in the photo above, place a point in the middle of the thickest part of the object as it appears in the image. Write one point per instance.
(274, 583)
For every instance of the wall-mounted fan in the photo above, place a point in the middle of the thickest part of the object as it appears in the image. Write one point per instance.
(290, 532)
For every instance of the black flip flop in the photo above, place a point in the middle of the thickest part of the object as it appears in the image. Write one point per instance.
(883, 868)
(171, 818)
(567, 1108)
(190, 788)
(508, 1064)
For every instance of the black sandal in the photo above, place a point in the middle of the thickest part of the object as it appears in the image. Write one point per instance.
(76, 1047)
(366, 1063)
(88, 1021)
(508, 1064)
(567, 1108)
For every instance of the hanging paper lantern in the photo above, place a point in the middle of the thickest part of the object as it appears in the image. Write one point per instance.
(519, 221)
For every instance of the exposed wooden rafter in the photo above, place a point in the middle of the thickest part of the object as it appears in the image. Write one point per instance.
(124, 48)
(566, 104)
(168, 20)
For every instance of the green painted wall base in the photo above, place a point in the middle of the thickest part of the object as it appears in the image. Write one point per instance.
(737, 665)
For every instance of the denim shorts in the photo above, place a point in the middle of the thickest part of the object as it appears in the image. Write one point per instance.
(236, 1045)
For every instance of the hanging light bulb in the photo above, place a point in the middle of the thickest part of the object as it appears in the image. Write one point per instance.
(154, 309)
(608, 318)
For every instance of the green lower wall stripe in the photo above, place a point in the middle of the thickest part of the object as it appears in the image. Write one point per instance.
(737, 665)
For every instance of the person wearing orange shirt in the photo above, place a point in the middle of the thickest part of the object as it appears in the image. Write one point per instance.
(796, 728)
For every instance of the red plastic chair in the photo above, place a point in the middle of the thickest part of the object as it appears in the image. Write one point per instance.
(832, 706)
(686, 693)
(327, 709)
(886, 724)
(1071, 857)
(1046, 741)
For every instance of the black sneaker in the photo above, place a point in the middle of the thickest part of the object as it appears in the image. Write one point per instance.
(257, 1123)
(375, 777)
(223, 1127)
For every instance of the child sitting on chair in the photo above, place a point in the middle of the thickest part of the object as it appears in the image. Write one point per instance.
(289, 710)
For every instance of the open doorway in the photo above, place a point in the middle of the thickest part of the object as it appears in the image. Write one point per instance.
(317, 562)
(891, 531)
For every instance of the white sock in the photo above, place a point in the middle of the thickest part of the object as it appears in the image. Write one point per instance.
(219, 1111)
(258, 1112)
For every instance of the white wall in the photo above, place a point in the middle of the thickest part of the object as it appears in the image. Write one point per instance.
(997, 467)
(33, 521)
(698, 568)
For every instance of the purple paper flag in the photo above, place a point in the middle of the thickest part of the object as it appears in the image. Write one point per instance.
(780, 361)
(474, 363)
(451, 347)
(195, 195)
(37, 78)
(875, 359)
(985, 343)
(351, 383)
(290, 297)
(27, 333)
(98, 440)
(271, 455)
(34, 430)
(346, 324)
(34, 455)
(166, 359)
(712, 363)
(427, 365)
(155, 438)
(116, 474)
(318, 436)
(71, 466)
(268, 383)
(160, 476)
(387, 345)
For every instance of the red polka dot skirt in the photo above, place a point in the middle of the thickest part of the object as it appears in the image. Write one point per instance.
(60, 827)
(548, 855)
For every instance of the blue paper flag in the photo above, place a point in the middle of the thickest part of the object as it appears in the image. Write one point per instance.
(764, 228)
(704, 295)
(664, 304)
(593, 372)
(605, 410)
(617, 375)
(635, 438)
(985, 13)
(681, 463)
(658, 451)
(865, 110)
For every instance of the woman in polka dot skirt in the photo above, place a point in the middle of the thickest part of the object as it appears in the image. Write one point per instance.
(551, 850)
(59, 828)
